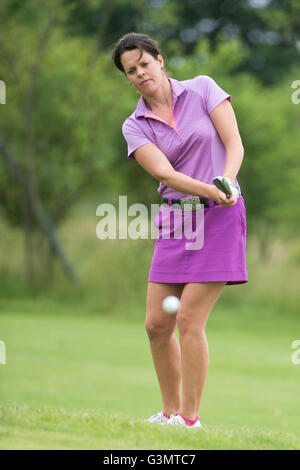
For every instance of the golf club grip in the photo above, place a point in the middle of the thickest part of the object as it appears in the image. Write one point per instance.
(220, 186)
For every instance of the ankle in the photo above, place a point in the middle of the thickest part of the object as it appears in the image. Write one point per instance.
(189, 416)
(188, 421)
(169, 413)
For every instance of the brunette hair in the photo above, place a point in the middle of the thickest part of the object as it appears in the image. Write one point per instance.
(134, 41)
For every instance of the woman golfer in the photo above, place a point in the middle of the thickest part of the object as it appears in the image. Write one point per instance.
(184, 133)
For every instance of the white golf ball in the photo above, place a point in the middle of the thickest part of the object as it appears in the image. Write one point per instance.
(171, 304)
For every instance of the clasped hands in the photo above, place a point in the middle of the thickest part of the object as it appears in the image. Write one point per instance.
(218, 191)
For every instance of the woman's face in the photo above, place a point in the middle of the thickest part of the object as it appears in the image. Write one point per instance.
(144, 73)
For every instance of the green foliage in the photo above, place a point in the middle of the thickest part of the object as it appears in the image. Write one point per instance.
(267, 120)
(295, 253)
(269, 30)
(59, 113)
(206, 61)
(66, 104)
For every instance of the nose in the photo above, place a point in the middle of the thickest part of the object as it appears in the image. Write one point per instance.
(140, 72)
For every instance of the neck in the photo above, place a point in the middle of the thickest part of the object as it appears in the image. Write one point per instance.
(162, 97)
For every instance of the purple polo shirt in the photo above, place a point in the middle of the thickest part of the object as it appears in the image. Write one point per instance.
(191, 143)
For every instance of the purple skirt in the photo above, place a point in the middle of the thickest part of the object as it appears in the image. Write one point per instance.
(206, 245)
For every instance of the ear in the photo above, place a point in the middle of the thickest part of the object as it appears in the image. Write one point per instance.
(160, 59)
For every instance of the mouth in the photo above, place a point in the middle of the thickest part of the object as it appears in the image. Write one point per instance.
(145, 81)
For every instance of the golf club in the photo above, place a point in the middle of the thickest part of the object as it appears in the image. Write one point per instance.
(223, 183)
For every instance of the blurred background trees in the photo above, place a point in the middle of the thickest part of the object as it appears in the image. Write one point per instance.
(60, 129)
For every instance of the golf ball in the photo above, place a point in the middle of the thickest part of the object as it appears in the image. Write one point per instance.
(171, 304)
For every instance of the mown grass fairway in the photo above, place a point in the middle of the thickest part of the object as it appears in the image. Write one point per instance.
(77, 380)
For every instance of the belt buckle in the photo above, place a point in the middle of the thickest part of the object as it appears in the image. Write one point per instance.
(191, 202)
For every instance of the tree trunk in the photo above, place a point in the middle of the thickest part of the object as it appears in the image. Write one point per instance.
(33, 210)
(28, 243)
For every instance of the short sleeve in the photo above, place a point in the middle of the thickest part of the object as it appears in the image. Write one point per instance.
(134, 137)
(213, 94)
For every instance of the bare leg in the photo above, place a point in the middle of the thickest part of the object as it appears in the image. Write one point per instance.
(197, 300)
(163, 344)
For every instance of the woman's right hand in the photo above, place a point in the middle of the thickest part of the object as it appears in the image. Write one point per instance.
(219, 197)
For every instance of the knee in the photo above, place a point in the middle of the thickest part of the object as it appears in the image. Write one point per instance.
(157, 330)
(186, 323)
(183, 322)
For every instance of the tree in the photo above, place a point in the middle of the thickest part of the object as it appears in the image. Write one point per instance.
(268, 29)
(57, 139)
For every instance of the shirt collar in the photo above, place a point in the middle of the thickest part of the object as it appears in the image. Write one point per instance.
(177, 89)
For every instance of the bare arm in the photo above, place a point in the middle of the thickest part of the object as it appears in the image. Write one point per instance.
(153, 160)
(224, 120)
